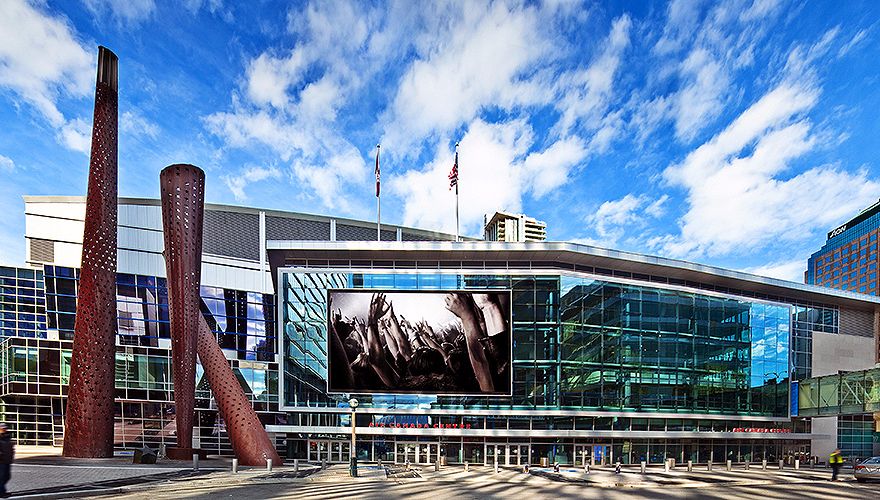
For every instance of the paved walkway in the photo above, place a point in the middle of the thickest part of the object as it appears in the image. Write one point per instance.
(42, 473)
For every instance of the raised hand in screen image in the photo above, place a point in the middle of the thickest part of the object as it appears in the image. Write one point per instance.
(419, 342)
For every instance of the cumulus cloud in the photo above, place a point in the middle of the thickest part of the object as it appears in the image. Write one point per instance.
(792, 270)
(490, 158)
(737, 190)
(584, 95)
(237, 183)
(133, 122)
(615, 218)
(480, 63)
(63, 65)
(6, 164)
(547, 170)
(123, 11)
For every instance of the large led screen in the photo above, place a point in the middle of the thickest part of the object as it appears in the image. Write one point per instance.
(419, 342)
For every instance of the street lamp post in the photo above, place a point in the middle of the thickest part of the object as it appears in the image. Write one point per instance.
(353, 404)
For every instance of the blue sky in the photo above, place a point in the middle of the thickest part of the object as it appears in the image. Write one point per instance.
(734, 133)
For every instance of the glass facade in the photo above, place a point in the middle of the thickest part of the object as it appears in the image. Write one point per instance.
(578, 343)
(39, 309)
(22, 303)
(243, 321)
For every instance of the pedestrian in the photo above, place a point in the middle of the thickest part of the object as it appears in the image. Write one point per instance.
(7, 453)
(836, 461)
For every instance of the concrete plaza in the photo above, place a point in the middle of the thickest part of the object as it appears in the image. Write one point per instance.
(41, 473)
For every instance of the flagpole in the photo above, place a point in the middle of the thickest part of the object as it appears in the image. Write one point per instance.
(456, 195)
(378, 199)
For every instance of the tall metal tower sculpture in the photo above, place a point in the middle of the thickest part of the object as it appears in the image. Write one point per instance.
(183, 191)
(183, 202)
(89, 417)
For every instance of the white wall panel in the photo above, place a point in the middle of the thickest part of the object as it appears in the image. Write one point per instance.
(65, 210)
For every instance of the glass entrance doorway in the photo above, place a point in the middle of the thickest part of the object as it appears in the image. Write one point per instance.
(592, 454)
(329, 450)
(416, 453)
(507, 454)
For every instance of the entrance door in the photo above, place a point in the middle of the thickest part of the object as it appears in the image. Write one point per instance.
(497, 452)
(519, 454)
(583, 455)
(428, 453)
(326, 450)
(319, 451)
(406, 451)
(600, 454)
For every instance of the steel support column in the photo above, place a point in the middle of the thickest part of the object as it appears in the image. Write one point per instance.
(89, 415)
(183, 202)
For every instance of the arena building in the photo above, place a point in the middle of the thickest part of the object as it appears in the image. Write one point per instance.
(602, 356)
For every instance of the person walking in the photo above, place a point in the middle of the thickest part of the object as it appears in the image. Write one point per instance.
(836, 461)
(7, 454)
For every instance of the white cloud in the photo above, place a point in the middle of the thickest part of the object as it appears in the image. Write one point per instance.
(132, 122)
(62, 64)
(855, 40)
(76, 134)
(481, 61)
(124, 11)
(6, 164)
(547, 170)
(614, 218)
(703, 95)
(682, 18)
(489, 179)
(738, 193)
(785, 270)
(237, 183)
(584, 95)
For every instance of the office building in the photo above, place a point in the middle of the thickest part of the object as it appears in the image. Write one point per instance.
(848, 259)
(505, 226)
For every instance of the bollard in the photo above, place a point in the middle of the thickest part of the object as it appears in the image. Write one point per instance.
(467, 466)
(586, 468)
(555, 467)
(729, 465)
(323, 463)
(296, 465)
(525, 468)
(764, 464)
(235, 466)
(812, 463)
(797, 463)
(666, 466)
(407, 464)
(195, 461)
(616, 468)
(496, 466)
(269, 465)
(781, 464)
(690, 465)
(709, 465)
(643, 466)
(747, 465)
(437, 465)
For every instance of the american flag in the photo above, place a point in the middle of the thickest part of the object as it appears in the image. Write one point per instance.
(377, 171)
(453, 175)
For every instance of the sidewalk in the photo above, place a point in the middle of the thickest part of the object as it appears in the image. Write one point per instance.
(41, 470)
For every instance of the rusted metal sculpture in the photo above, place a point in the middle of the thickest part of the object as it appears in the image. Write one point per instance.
(88, 429)
(183, 202)
(250, 442)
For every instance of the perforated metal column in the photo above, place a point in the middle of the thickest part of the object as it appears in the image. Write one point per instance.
(183, 202)
(89, 415)
(249, 440)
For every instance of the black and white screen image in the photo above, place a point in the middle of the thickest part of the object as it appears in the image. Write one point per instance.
(421, 342)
